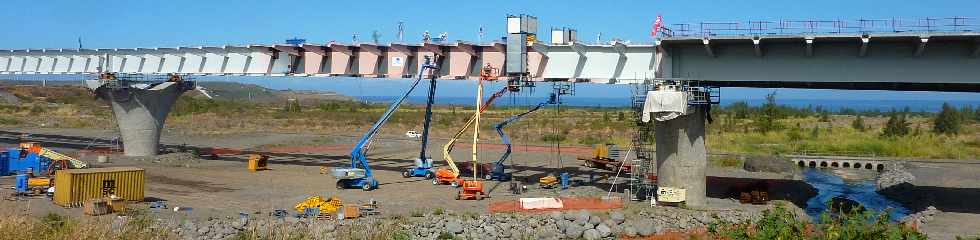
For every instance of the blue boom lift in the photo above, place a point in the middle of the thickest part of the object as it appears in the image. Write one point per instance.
(359, 174)
(497, 170)
(423, 164)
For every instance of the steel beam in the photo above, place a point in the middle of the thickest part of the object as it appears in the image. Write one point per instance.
(865, 40)
(921, 47)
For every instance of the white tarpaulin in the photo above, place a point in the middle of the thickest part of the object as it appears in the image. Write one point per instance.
(664, 105)
(541, 203)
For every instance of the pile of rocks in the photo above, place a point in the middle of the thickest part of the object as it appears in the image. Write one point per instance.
(578, 224)
(179, 159)
(569, 224)
(920, 218)
(895, 174)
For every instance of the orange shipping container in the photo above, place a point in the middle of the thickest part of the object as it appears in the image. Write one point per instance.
(73, 186)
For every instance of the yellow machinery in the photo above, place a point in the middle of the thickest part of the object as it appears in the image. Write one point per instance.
(549, 181)
(54, 156)
(257, 162)
(451, 176)
(325, 205)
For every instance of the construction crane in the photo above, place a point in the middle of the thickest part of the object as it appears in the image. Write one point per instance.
(496, 171)
(359, 175)
(423, 164)
(451, 175)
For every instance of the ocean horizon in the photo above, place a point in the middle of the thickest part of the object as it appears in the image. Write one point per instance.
(831, 104)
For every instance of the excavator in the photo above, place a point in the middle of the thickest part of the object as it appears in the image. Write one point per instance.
(359, 174)
(451, 175)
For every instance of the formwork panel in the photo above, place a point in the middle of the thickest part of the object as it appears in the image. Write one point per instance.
(74, 186)
(133, 64)
(61, 64)
(94, 63)
(171, 63)
(151, 63)
(46, 64)
(78, 63)
(4, 63)
(17, 64)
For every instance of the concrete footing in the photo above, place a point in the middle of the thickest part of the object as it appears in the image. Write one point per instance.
(141, 112)
(681, 155)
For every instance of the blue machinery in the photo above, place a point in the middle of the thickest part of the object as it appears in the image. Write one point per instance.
(423, 165)
(362, 177)
(497, 170)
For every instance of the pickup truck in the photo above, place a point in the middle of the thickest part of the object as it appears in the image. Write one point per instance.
(413, 134)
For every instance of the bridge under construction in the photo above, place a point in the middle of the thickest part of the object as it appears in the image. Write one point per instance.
(677, 73)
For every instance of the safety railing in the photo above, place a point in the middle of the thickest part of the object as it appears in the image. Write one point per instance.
(835, 26)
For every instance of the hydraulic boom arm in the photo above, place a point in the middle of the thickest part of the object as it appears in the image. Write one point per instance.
(503, 136)
(448, 148)
(358, 153)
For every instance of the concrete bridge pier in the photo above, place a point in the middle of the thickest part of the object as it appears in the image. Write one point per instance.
(141, 112)
(681, 155)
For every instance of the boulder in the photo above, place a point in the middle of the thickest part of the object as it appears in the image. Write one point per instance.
(582, 216)
(604, 230)
(617, 217)
(574, 231)
(894, 174)
(594, 220)
(645, 229)
(591, 234)
(629, 231)
(454, 227)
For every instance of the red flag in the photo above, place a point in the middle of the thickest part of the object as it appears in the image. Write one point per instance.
(656, 25)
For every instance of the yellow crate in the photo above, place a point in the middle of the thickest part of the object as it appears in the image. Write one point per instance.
(73, 186)
(257, 162)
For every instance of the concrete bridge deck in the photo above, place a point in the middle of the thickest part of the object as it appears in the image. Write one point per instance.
(930, 61)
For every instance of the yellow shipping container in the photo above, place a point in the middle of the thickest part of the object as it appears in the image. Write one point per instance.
(73, 186)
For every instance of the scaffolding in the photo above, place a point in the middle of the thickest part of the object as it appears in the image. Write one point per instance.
(642, 181)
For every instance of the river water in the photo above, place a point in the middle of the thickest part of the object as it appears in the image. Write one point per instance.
(854, 184)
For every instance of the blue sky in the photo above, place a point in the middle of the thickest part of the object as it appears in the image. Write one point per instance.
(135, 23)
(124, 24)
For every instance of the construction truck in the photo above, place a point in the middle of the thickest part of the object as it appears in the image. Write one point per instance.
(359, 174)
(605, 156)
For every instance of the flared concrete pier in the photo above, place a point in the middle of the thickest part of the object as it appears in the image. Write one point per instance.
(681, 155)
(140, 110)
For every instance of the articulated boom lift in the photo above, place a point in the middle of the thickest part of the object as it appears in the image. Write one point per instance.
(423, 164)
(496, 171)
(359, 175)
(451, 176)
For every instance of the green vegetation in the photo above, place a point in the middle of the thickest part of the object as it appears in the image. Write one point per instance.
(779, 223)
(949, 120)
(858, 123)
(896, 125)
(739, 128)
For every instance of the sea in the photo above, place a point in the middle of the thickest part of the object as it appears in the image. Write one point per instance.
(830, 104)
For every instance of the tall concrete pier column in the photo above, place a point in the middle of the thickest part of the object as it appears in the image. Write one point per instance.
(140, 111)
(681, 155)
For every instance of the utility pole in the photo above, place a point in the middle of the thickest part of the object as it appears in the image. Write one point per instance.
(376, 36)
(401, 31)
(79, 42)
(482, 33)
